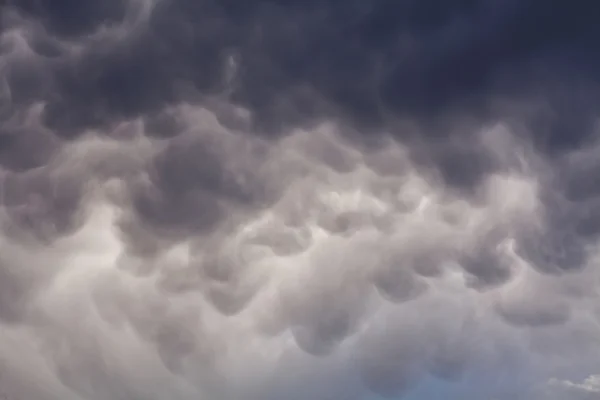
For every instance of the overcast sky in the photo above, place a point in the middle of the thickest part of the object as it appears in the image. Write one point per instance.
(299, 199)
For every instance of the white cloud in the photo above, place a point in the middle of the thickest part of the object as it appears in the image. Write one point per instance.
(588, 389)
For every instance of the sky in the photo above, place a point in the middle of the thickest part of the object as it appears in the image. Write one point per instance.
(299, 199)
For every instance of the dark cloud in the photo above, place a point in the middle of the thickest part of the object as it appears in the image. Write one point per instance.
(364, 60)
(73, 18)
(292, 63)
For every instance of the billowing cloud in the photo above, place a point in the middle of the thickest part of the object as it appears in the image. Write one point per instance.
(305, 199)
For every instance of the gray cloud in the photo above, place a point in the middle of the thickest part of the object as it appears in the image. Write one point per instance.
(210, 199)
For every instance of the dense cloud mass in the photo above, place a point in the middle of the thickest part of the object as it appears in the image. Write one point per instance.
(299, 199)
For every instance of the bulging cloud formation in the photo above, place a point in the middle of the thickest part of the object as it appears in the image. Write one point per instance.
(265, 200)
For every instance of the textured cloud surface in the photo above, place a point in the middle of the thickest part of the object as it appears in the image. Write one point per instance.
(302, 199)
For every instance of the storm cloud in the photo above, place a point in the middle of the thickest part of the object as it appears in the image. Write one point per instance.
(205, 199)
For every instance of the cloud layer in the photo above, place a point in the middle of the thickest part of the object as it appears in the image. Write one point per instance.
(263, 200)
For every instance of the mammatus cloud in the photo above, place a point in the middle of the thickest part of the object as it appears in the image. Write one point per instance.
(216, 200)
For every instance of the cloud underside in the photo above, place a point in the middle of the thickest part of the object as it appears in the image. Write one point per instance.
(264, 200)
